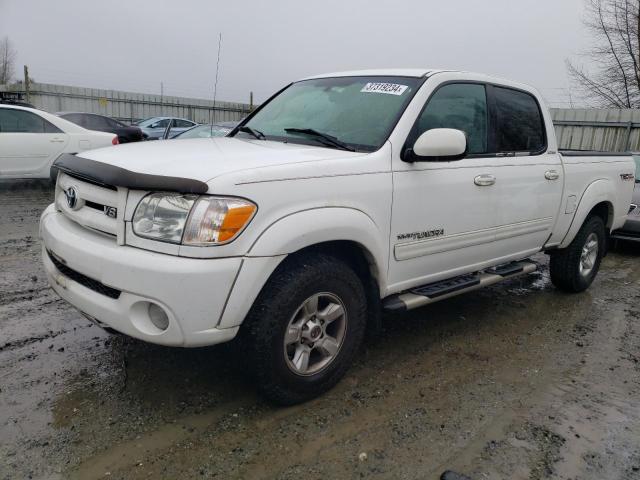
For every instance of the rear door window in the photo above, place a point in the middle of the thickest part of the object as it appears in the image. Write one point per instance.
(76, 118)
(161, 123)
(96, 122)
(519, 123)
(50, 128)
(114, 123)
(21, 121)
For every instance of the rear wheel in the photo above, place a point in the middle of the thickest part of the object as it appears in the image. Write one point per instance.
(305, 328)
(574, 268)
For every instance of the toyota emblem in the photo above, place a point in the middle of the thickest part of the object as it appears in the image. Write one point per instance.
(72, 197)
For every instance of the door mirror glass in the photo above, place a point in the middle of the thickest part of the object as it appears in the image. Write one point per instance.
(440, 144)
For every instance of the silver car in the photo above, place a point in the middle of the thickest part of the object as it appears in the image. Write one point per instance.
(206, 131)
(153, 128)
(631, 229)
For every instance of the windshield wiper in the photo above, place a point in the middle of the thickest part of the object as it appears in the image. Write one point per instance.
(252, 131)
(327, 139)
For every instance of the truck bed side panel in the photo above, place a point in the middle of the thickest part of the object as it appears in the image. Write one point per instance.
(591, 179)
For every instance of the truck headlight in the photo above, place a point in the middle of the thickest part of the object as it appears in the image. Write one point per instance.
(190, 219)
(216, 220)
(162, 216)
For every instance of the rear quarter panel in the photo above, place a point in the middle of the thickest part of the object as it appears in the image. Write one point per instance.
(89, 140)
(590, 180)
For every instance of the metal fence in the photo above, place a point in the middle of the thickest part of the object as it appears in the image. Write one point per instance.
(128, 106)
(610, 130)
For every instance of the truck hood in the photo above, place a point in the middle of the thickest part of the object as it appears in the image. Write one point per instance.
(206, 158)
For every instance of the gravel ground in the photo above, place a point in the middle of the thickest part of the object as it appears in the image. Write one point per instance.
(518, 381)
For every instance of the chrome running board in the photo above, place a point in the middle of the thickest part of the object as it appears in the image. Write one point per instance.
(434, 292)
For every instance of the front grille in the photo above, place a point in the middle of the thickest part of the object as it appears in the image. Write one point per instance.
(93, 182)
(96, 206)
(83, 280)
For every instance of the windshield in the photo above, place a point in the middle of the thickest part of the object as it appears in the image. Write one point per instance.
(636, 158)
(204, 131)
(358, 111)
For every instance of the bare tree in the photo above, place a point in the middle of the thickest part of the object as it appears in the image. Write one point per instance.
(612, 75)
(7, 61)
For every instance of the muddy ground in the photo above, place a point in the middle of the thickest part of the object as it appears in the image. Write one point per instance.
(514, 382)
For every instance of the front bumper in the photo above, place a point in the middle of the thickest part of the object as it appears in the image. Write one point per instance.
(192, 292)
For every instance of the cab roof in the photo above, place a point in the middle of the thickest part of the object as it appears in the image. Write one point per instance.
(426, 72)
(383, 72)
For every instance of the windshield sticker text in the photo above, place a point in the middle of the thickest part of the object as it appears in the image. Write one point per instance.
(388, 88)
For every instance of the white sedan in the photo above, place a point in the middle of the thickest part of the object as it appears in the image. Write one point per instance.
(31, 140)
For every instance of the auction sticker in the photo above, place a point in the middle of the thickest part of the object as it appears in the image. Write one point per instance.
(388, 88)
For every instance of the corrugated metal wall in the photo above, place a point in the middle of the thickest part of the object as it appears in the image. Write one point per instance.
(129, 106)
(615, 130)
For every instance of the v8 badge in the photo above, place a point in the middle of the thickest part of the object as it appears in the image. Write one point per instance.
(111, 212)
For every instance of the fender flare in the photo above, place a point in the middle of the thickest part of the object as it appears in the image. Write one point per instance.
(284, 237)
(598, 191)
(323, 224)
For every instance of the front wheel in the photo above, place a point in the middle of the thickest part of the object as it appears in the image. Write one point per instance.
(574, 268)
(305, 328)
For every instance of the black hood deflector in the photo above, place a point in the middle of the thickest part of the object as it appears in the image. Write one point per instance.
(112, 176)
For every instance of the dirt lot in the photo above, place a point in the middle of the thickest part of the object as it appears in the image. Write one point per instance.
(517, 381)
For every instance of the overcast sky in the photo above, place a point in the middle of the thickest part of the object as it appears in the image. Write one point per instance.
(134, 45)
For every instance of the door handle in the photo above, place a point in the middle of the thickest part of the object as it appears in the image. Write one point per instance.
(57, 140)
(484, 180)
(551, 175)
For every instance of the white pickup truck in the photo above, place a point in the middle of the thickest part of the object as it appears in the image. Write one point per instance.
(342, 195)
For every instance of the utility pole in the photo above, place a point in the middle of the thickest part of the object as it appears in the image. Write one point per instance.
(161, 93)
(27, 84)
(250, 101)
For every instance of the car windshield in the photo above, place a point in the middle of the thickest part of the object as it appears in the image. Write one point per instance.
(637, 160)
(359, 112)
(204, 131)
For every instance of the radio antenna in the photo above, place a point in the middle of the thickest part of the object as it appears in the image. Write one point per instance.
(215, 85)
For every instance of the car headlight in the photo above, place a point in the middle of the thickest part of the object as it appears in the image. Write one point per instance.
(192, 219)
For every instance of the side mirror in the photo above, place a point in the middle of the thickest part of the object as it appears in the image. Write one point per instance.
(440, 144)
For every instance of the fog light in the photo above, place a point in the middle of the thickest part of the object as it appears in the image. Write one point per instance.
(158, 317)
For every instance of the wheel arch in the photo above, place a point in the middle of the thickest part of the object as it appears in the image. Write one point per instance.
(598, 199)
(348, 234)
(339, 229)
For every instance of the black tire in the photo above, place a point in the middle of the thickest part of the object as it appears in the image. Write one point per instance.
(263, 335)
(564, 265)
